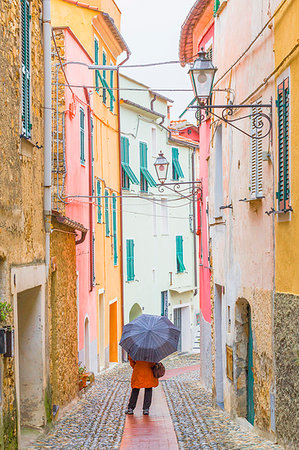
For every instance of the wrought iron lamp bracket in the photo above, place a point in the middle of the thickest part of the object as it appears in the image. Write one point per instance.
(196, 187)
(261, 119)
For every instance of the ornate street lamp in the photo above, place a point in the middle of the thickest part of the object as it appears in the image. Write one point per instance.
(202, 74)
(161, 165)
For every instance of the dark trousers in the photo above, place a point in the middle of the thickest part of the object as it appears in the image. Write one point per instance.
(148, 393)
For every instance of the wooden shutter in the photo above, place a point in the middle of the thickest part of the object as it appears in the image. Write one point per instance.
(104, 77)
(107, 225)
(114, 219)
(256, 152)
(96, 61)
(180, 254)
(130, 260)
(82, 136)
(111, 86)
(216, 6)
(143, 165)
(99, 202)
(93, 260)
(283, 193)
(26, 71)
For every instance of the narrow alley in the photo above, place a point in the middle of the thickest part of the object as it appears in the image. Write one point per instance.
(190, 421)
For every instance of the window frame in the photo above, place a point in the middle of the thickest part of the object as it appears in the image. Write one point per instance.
(26, 97)
(130, 245)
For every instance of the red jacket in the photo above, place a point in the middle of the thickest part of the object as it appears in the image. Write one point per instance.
(142, 376)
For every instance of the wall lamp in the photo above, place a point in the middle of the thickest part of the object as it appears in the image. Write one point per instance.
(202, 74)
(161, 166)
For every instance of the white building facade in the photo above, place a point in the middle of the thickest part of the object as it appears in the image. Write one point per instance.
(159, 240)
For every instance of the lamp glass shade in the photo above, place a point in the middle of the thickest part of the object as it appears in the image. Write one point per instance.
(202, 75)
(161, 166)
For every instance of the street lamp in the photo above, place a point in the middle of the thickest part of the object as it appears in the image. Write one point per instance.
(161, 166)
(202, 75)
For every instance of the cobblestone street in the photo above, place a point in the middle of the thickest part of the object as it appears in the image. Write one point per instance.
(97, 420)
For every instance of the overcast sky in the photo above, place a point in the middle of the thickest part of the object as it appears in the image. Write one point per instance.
(151, 30)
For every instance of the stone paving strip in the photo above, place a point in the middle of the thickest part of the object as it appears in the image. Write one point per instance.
(97, 420)
(199, 425)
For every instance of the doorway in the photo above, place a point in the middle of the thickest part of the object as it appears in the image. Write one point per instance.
(30, 359)
(218, 345)
(113, 357)
(135, 312)
(177, 320)
(86, 344)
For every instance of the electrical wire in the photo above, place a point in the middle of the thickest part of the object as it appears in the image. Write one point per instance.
(124, 89)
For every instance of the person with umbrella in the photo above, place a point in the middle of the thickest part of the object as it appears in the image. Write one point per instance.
(147, 339)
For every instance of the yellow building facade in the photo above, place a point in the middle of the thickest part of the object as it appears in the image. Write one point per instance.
(96, 26)
(286, 302)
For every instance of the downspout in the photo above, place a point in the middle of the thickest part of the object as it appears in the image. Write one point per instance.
(90, 185)
(47, 126)
(121, 203)
(194, 226)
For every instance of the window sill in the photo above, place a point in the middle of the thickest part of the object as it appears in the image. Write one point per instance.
(27, 146)
(253, 199)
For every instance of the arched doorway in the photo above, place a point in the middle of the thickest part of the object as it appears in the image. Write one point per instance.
(244, 360)
(135, 311)
(86, 343)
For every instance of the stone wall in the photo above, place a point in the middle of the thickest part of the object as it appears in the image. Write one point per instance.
(63, 306)
(21, 178)
(286, 326)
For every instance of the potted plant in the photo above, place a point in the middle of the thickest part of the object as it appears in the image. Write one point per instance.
(83, 375)
(6, 331)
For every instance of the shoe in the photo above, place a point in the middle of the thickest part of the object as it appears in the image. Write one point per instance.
(129, 411)
(146, 412)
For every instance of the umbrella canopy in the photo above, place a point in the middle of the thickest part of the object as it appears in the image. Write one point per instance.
(150, 338)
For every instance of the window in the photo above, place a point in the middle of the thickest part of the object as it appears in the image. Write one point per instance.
(104, 77)
(145, 177)
(216, 6)
(111, 87)
(82, 136)
(99, 202)
(283, 111)
(114, 219)
(164, 303)
(256, 152)
(96, 61)
(179, 254)
(127, 173)
(26, 71)
(107, 213)
(176, 167)
(130, 260)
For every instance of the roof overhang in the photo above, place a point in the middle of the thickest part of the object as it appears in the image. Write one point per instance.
(200, 15)
(105, 26)
(183, 289)
(183, 142)
(141, 109)
(72, 224)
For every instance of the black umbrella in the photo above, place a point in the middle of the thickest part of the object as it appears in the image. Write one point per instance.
(150, 338)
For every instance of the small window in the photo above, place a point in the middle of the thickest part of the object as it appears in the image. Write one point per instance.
(82, 136)
(107, 225)
(145, 177)
(180, 255)
(164, 303)
(130, 260)
(256, 153)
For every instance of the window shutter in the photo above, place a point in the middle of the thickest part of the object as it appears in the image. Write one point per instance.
(130, 260)
(104, 77)
(179, 254)
(93, 260)
(256, 151)
(92, 151)
(82, 136)
(107, 226)
(96, 61)
(143, 165)
(99, 202)
(216, 6)
(111, 86)
(26, 72)
(283, 193)
(114, 218)
(177, 171)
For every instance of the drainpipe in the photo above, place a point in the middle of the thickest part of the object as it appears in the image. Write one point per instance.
(194, 225)
(121, 202)
(47, 125)
(90, 191)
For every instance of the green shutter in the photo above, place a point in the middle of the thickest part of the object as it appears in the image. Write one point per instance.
(26, 72)
(99, 202)
(180, 254)
(82, 136)
(107, 213)
(114, 219)
(177, 171)
(111, 87)
(93, 260)
(96, 61)
(130, 260)
(145, 176)
(216, 6)
(104, 78)
(283, 193)
(127, 173)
